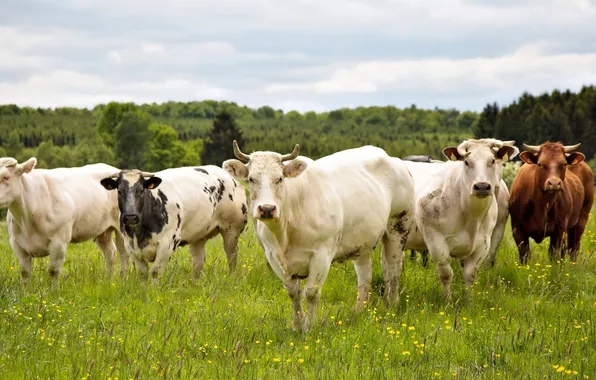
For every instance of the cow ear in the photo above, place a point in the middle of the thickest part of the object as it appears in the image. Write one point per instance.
(452, 154)
(151, 182)
(294, 168)
(27, 166)
(575, 158)
(528, 157)
(109, 183)
(236, 168)
(507, 152)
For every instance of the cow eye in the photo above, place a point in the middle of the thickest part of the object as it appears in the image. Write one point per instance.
(279, 180)
(466, 162)
(492, 163)
(250, 180)
(6, 178)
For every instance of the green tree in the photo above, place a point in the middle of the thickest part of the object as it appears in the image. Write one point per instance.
(14, 145)
(165, 150)
(111, 116)
(131, 136)
(218, 144)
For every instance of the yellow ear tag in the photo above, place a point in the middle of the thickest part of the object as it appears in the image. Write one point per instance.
(151, 186)
(506, 157)
(453, 158)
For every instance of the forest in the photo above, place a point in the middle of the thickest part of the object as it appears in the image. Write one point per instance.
(155, 136)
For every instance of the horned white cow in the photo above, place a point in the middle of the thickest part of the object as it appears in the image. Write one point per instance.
(47, 209)
(309, 214)
(175, 207)
(423, 173)
(456, 206)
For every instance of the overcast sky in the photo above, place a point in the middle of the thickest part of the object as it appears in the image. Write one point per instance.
(294, 54)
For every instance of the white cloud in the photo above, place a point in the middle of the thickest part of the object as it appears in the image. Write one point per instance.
(68, 88)
(114, 56)
(294, 53)
(527, 68)
(152, 48)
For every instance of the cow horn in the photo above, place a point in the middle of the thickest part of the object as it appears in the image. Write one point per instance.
(292, 155)
(571, 148)
(532, 148)
(238, 153)
(509, 143)
(462, 149)
(147, 174)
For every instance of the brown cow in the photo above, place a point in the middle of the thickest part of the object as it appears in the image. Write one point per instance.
(551, 195)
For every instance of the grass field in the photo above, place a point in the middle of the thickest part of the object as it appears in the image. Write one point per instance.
(524, 322)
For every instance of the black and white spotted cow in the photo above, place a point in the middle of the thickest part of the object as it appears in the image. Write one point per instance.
(175, 207)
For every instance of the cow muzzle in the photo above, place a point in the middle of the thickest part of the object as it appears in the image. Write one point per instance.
(482, 189)
(130, 219)
(553, 185)
(266, 211)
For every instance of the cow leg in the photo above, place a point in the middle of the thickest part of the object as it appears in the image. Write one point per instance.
(392, 265)
(141, 266)
(439, 251)
(424, 255)
(471, 265)
(495, 240)
(162, 257)
(555, 249)
(412, 255)
(123, 254)
(106, 245)
(523, 245)
(363, 267)
(294, 289)
(317, 274)
(230, 240)
(574, 236)
(24, 262)
(197, 251)
(57, 250)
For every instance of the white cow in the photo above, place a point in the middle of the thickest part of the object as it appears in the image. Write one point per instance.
(309, 214)
(47, 209)
(456, 206)
(175, 207)
(423, 173)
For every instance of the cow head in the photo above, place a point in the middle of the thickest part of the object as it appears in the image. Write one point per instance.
(551, 160)
(266, 174)
(482, 163)
(11, 187)
(132, 186)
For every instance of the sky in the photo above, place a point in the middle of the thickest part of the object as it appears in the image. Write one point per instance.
(294, 54)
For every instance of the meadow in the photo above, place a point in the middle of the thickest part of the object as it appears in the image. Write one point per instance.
(524, 322)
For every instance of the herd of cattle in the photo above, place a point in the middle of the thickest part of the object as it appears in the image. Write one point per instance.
(307, 213)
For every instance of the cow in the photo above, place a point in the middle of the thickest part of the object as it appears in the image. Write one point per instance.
(423, 173)
(50, 208)
(456, 206)
(309, 214)
(174, 207)
(551, 195)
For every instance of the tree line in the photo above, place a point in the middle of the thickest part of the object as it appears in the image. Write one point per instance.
(559, 116)
(156, 136)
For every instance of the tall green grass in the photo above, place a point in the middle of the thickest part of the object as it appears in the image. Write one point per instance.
(526, 322)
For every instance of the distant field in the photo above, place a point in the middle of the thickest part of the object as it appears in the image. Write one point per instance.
(524, 322)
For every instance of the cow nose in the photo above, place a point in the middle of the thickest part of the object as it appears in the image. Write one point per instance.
(267, 211)
(131, 219)
(482, 187)
(554, 184)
